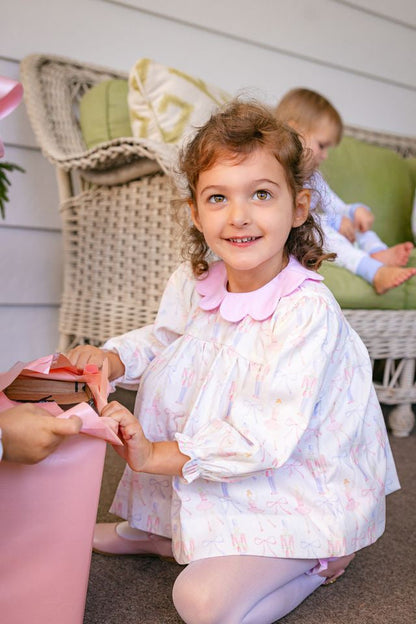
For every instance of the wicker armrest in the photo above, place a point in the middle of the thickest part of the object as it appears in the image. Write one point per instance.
(403, 145)
(54, 87)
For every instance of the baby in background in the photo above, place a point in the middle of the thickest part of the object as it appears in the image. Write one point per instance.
(347, 227)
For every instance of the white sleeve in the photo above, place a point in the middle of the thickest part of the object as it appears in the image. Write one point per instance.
(336, 204)
(139, 347)
(326, 202)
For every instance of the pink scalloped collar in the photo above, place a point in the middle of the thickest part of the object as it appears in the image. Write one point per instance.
(259, 304)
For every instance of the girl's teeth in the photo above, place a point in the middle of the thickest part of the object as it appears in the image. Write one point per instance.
(242, 240)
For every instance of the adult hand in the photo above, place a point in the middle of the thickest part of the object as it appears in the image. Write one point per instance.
(30, 433)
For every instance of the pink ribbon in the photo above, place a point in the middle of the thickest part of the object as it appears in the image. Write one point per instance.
(11, 93)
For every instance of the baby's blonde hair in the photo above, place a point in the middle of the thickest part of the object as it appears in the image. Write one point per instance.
(306, 108)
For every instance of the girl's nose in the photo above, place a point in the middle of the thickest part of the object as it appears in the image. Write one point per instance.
(239, 213)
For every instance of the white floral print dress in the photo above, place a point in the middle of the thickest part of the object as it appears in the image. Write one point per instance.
(270, 394)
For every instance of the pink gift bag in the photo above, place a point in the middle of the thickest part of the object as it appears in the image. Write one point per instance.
(48, 510)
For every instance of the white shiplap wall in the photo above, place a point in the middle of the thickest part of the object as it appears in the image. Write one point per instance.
(359, 53)
(30, 245)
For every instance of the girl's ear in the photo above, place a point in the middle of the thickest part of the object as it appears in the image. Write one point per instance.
(194, 215)
(302, 204)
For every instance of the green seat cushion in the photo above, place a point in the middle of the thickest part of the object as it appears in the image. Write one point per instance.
(412, 164)
(382, 179)
(352, 292)
(104, 113)
(378, 177)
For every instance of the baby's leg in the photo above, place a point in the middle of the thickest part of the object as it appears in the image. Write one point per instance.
(348, 256)
(242, 589)
(396, 256)
(369, 242)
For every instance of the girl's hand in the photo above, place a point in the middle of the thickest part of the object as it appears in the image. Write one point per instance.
(347, 229)
(363, 219)
(86, 354)
(137, 449)
(142, 455)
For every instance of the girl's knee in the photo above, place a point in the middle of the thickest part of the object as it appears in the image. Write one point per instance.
(195, 601)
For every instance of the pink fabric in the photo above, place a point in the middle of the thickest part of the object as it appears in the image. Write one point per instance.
(47, 519)
(259, 304)
(11, 93)
(48, 511)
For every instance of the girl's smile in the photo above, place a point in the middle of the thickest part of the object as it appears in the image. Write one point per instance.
(245, 210)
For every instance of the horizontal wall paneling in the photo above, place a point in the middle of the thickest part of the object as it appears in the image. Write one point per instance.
(27, 333)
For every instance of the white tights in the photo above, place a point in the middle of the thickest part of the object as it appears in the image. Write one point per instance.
(242, 589)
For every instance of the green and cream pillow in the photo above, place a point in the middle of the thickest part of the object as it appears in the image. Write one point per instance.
(104, 113)
(166, 104)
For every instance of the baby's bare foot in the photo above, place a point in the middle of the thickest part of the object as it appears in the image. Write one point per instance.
(389, 277)
(398, 255)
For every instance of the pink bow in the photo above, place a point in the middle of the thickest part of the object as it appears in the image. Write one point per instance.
(11, 93)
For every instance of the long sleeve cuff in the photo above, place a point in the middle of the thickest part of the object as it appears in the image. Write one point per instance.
(205, 465)
(240, 458)
(353, 207)
(367, 268)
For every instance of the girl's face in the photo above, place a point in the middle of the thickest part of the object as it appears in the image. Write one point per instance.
(320, 139)
(246, 211)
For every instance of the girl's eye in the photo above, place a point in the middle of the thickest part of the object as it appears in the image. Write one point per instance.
(216, 199)
(262, 195)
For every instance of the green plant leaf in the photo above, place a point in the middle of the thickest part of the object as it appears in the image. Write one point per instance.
(5, 183)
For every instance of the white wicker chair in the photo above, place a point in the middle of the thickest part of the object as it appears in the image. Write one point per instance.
(120, 241)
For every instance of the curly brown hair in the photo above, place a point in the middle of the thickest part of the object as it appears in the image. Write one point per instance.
(236, 131)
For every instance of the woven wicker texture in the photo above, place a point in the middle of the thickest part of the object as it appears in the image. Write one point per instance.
(389, 333)
(390, 337)
(121, 244)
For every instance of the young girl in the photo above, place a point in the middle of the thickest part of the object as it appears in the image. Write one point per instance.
(321, 127)
(259, 455)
